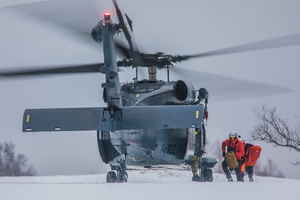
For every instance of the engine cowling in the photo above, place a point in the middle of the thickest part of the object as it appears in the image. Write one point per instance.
(184, 91)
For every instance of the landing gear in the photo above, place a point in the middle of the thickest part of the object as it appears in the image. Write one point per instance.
(111, 177)
(207, 175)
(205, 163)
(121, 175)
(205, 166)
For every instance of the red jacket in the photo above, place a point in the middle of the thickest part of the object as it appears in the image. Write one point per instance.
(238, 145)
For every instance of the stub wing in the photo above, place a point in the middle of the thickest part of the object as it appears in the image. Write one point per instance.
(135, 117)
(62, 119)
(161, 117)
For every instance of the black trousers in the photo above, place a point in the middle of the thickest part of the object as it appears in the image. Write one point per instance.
(249, 170)
(239, 175)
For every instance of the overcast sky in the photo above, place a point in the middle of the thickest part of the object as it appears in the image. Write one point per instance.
(174, 27)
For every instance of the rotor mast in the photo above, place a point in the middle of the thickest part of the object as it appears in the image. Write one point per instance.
(152, 71)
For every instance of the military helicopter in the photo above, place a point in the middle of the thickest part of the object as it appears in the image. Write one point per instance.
(146, 122)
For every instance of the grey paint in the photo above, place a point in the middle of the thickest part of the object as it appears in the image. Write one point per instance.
(85, 119)
(156, 117)
(64, 119)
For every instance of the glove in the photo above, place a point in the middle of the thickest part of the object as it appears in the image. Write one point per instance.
(224, 154)
(242, 158)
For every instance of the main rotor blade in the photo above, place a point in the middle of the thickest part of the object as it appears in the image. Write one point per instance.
(284, 41)
(123, 26)
(142, 59)
(78, 16)
(120, 48)
(223, 88)
(133, 51)
(51, 70)
(162, 58)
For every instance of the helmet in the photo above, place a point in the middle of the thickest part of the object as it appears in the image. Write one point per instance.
(233, 135)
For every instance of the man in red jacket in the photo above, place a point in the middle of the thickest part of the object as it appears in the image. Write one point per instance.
(233, 144)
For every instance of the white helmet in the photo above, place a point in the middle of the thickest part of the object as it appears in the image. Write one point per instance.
(233, 135)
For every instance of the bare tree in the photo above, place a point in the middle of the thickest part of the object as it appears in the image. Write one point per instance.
(12, 164)
(271, 128)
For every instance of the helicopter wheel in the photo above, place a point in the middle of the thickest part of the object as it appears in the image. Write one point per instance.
(122, 177)
(208, 175)
(111, 177)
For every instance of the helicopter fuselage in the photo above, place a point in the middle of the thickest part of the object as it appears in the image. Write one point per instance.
(147, 147)
(145, 123)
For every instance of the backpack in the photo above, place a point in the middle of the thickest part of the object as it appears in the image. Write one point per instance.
(231, 160)
(251, 156)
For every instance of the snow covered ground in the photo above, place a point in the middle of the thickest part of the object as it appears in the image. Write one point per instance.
(153, 184)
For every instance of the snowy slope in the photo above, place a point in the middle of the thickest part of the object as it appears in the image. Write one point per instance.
(154, 184)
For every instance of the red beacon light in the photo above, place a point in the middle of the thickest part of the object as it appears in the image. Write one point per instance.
(107, 16)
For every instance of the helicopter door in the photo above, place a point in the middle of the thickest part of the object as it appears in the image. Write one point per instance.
(106, 149)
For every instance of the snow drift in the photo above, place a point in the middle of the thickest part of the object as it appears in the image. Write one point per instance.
(146, 185)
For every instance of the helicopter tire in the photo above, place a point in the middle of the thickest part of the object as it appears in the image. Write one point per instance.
(208, 175)
(125, 177)
(122, 177)
(111, 177)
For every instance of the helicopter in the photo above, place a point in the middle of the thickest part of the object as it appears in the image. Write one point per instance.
(147, 122)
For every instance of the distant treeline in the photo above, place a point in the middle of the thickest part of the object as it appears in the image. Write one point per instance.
(13, 164)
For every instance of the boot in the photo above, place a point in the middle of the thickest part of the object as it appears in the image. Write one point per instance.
(251, 179)
(196, 178)
(240, 178)
(229, 178)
